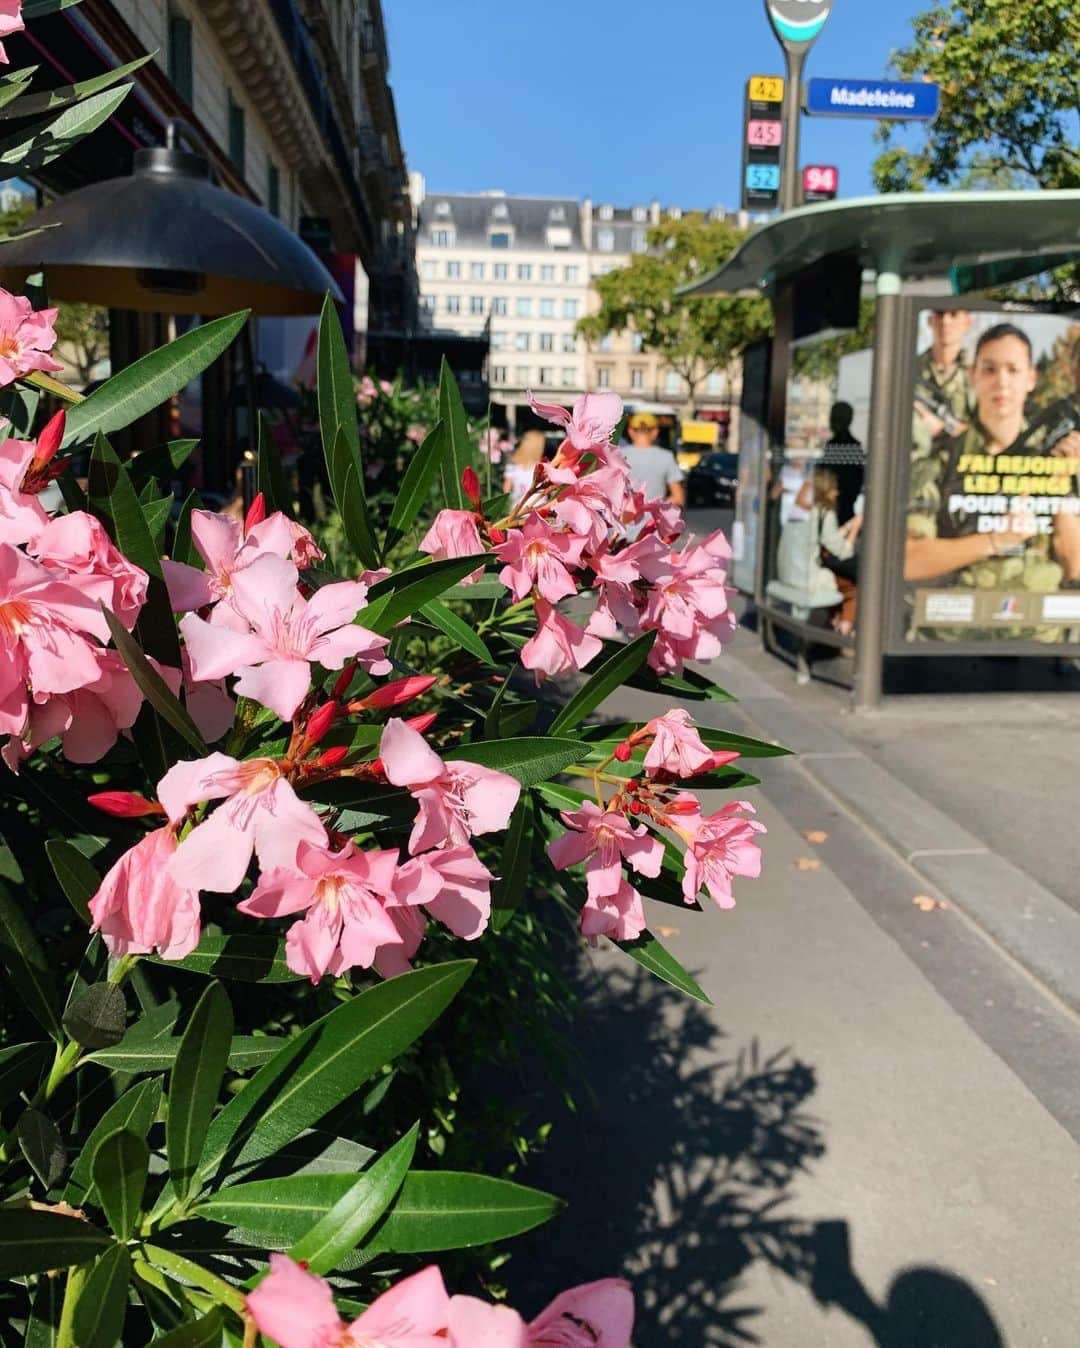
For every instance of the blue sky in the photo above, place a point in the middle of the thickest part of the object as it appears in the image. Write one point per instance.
(622, 100)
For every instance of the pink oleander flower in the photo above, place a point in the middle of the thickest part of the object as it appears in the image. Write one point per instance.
(453, 884)
(593, 505)
(416, 434)
(280, 635)
(21, 515)
(688, 605)
(558, 645)
(78, 547)
(677, 747)
(209, 703)
(604, 839)
(11, 21)
(44, 627)
(343, 895)
(261, 813)
(366, 391)
(539, 556)
(141, 907)
(225, 546)
(26, 335)
(456, 800)
(668, 520)
(454, 534)
(620, 915)
(591, 423)
(595, 1315)
(296, 1309)
(720, 847)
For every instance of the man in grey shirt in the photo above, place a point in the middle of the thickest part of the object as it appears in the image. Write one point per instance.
(653, 469)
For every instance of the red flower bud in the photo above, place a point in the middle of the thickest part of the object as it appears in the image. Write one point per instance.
(634, 807)
(256, 513)
(48, 441)
(422, 724)
(341, 687)
(470, 484)
(398, 692)
(124, 804)
(623, 753)
(497, 535)
(320, 721)
(333, 757)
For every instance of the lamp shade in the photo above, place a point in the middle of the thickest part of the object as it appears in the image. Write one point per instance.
(167, 240)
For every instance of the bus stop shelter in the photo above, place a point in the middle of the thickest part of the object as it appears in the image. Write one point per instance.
(1013, 534)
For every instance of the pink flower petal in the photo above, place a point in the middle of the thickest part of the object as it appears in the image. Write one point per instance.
(294, 1308)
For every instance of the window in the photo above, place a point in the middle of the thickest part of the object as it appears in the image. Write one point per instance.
(428, 268)
(499, 306)
(499, 271)
(675, 212)
(498, 341)
(671, 382)
(605, 240)
(557, 213)
(237, 135)
(637, 378)
(637, 241)
(453, 304)
(569, 376)
(715, 383)
(476, 304)
(499, 238)
(498, 374)
(637, 342)
(547, 308)
(604, 268)
(521, 375)
(273, 189)
(524, 271)
(606, 341)
(521, 341)
(442, 208)
(523, 308)
(547, 374)
(476, 271)
(181, 66)
(603, 376)
(427, 303)
(569, 342)
(638, 214)
(442, 238)
(499, 211)
(570, 275)
(606, 213)
(569, 308)
(547, 272)
(453, 271)
(547, 341)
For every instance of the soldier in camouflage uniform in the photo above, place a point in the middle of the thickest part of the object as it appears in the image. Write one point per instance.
(943, 399)
(944, 545)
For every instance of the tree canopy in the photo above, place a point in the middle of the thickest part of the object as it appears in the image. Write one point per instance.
(694, 336)
(1010, 98)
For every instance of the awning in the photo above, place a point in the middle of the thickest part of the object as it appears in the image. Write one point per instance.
(915, 234)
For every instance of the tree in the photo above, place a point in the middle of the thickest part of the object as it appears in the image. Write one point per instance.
(1010, 97)
(694, 336)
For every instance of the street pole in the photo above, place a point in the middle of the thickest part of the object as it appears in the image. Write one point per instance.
(790, 193)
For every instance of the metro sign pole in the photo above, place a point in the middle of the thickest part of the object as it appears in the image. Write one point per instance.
(797, 25)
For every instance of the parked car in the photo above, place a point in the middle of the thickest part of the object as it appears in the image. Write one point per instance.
(714, 480)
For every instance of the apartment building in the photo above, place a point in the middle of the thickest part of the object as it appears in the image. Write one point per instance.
(515, 269)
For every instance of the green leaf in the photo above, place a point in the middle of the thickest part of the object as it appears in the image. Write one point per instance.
(407, 591)
(651, 955)
(509, 888)
(414, 493)
(119, 1169)
(326, 1063)
(516, 719)
(40, 1142)
(612, 673)
(451, 1210)
(195, 1083)
(352, 503)
(160, 463)
(43, 1326)
(456, 450)
(357, 1211)
(690, 685)
(32, 979)
(158, 1055)
(102, 1304)
(448, 622)
(135, 1111)
(40, 143)
(113, 497)
(184, 549)
(156, 513)
(21, 1066)
(153, 379)
(51, 99)
(530, 759)
(340, 434)
(32, 1241)
(37, 9)
(562, 797)
(742, 744)
(202, 1333)
(271, 475)
(280, 1210)
(77, 876)
(487, 587)
(153, 687)
(250, 959)
(98, 1018)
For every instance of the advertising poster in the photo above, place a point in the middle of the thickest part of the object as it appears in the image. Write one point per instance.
(753, 447)
(992, 549)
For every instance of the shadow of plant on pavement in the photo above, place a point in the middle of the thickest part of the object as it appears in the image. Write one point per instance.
(679, 1166)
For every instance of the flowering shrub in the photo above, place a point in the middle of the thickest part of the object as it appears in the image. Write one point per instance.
(245, 769)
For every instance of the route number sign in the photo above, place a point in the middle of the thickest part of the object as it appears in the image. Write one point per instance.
(765, 134)
(763, 137)
(766, 89)
(821, 182)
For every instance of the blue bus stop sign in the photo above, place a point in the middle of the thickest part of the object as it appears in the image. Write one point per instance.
(797, 23)
(916, 101)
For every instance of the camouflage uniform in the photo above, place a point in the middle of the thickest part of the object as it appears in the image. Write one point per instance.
(947, 396)
(933, 480)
